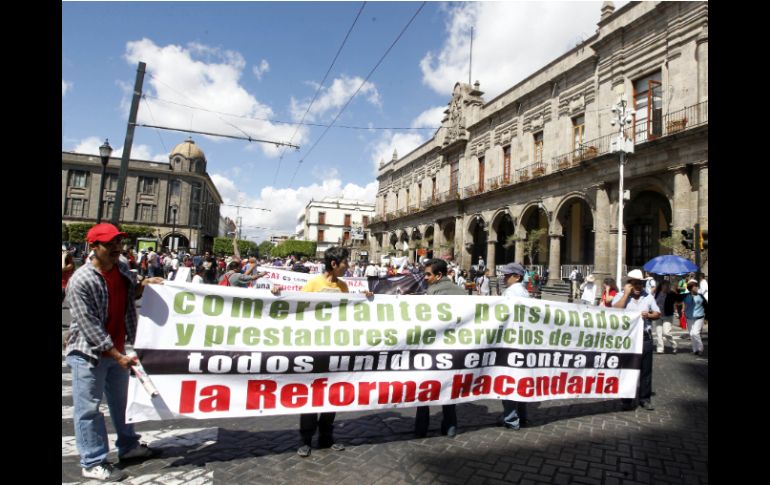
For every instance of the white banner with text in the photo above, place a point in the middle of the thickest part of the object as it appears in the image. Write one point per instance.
(214, 351)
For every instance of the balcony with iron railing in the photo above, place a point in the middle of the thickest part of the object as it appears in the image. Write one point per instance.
(643, 131)
(672, 123)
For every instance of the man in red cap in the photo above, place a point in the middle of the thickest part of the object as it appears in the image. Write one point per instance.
(101, 296)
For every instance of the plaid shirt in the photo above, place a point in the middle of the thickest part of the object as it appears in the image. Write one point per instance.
(87, 299)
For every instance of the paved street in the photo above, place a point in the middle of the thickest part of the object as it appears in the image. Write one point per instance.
(569, 441)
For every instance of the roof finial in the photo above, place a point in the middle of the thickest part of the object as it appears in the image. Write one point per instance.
(607, 9)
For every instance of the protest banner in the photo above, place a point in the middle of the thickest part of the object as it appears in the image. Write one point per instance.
(215, 351)
(287, 280)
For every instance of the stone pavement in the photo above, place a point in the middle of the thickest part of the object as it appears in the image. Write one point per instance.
(569, 441)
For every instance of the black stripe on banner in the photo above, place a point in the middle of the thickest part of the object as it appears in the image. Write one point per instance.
(164, 361)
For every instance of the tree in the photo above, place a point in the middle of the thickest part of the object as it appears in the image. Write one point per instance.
(78, 230)
(224, 245)
(674, 246)
(264, 248)
(531, 243)
(137, 231)
(297, 248)
(64, 232)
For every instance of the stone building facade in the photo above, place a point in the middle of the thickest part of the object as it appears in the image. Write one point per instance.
(539, 156)
(152, 190)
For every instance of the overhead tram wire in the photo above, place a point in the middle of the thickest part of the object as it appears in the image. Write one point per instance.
(165, 150)
(270, 120)
(299, 163)
(318, 89)
(248, 137)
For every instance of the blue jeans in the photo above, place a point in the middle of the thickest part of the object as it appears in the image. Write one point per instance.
(88, 385)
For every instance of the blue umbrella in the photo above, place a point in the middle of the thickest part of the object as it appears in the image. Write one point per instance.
(669, 264)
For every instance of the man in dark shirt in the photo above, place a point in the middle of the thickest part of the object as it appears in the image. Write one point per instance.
(438, 284)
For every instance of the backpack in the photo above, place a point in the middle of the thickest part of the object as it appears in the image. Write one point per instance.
(225, 281)
(579, 277)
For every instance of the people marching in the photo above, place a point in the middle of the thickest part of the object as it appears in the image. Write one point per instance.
(100, 295)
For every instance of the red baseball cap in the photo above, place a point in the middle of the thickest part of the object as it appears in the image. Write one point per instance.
(104, 232)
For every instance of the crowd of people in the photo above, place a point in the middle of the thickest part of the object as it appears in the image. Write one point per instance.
(99, 294)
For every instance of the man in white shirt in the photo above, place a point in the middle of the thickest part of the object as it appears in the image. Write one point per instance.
(484, 284)
(703, 287)
(650, 284)
(371, 271)
(573, 279)
(589, 290)
(634, 297)
(514, 413)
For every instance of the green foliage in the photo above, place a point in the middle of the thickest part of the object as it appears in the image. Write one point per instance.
(137, 231)
(264, 248)
(673, 245)
(297, 248)
(78, 230)
(510, 241)
(531, 244)
(64, 232)
(224, 245)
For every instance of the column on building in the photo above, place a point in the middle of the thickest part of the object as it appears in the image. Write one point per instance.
(491, 256)
(703, 195)
(459, 242)
(438, 239)
(681, 205)
(374, 247)
(518, 251)
(554, 260)
(602, 254)
(613, 223)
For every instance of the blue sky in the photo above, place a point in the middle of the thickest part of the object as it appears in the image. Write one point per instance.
(257, 64)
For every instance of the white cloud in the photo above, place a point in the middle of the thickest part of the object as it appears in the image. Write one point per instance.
(65, 86)
(333, 97)
(90, 146)
(201, 76)
(262, 68)
(511, 40)
(404, 143)
(285, 203)
(430, 118)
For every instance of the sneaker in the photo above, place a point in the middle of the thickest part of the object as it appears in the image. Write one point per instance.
(105, 472)
(139, 451)
(673, 351)
(303, 451)
(329, 443)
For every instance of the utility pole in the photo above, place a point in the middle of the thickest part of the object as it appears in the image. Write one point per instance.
(127, 145)
(696, 247)
(621, 145)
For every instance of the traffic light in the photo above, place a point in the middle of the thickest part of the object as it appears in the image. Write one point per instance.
(704, 240)
(687, 238)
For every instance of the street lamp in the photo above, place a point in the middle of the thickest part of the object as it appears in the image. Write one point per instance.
(621, 145)
(104, 152)
(174, 208)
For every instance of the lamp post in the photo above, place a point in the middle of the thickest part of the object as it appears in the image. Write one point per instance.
(104, 152)
(622, 145)
(174, 208)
